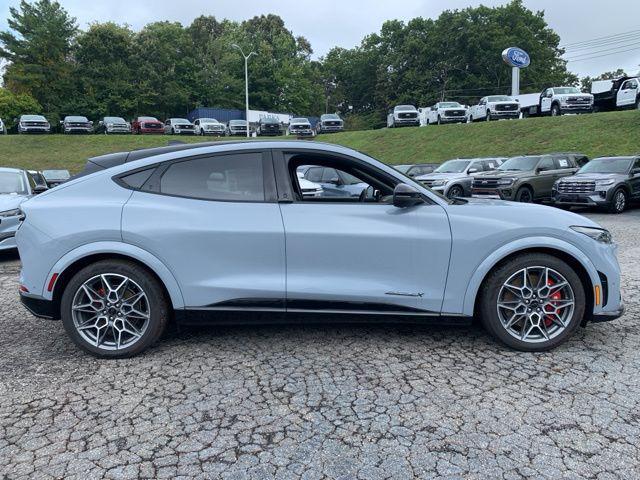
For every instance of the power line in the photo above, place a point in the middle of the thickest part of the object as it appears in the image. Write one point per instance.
(603, 55)
(604, 43)
(597, 39)
(611, 49)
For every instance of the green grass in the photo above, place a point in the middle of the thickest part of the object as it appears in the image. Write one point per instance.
(612, 133)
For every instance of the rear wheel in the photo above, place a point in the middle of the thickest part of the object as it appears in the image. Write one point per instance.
(618, 201)
(524, 195)
(533, 302)
(114, 309)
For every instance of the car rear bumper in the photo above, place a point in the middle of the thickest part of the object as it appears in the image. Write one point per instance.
(39, 307)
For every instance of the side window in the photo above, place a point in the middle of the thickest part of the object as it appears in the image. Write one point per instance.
(636, 164)
(546, 164)
(329, 174)
(314, 174)
(561, 162)
(136, 180)
(236, 177)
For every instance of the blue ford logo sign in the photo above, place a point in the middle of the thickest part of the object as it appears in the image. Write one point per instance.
(516, 57)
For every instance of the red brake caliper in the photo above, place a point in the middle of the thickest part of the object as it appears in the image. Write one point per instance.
(550, 308)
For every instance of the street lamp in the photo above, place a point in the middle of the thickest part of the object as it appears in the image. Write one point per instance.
(246, 82)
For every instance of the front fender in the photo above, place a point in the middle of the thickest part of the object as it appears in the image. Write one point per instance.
(519, 245)
(125, 249)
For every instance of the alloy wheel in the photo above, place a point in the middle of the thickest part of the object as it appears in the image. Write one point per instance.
(110, 311)
(620, 201)
(535, 304)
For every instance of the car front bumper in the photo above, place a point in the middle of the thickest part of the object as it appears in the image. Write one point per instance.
(180, 131)
(147, 130)
(78, 130)
(506, 193)
(458, 119)
(509, 114)
(302, 133)
(406, 121)
(8, 227)
(35, 129)
(576, 108)
(212, 132)
(592, 199)
(118, 130)
(331, 129)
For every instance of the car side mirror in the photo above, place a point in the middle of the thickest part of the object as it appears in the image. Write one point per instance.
(539, 170)
(39, 189)
(335, 181)
(405, 196)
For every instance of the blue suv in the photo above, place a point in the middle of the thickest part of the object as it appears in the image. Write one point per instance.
(223, 233)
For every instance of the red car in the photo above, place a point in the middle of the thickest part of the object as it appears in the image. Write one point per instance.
(147, 125)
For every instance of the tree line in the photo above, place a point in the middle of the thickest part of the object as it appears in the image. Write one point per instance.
(167, 69)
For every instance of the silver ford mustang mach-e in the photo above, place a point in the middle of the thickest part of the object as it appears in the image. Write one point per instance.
(223, 233)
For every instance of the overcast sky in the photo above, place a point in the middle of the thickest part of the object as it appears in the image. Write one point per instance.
(329, 23)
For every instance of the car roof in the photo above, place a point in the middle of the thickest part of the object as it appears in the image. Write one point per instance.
(11, 170)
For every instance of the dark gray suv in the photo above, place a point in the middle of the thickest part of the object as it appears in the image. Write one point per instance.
(608, 182)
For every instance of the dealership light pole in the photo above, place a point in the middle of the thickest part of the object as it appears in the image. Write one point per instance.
(246, 83)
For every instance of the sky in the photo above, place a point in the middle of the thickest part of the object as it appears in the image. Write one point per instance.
(344, 23)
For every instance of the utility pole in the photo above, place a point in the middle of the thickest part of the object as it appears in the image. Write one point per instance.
(246, 83)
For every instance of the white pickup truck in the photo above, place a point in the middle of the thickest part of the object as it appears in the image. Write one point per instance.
(615, 94)
(403, 115)
(446, 112)
(555, 101)
(494, 107)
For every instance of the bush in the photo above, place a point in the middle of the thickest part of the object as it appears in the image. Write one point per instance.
(14, 105)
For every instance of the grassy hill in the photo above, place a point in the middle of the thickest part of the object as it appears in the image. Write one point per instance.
(612, 133)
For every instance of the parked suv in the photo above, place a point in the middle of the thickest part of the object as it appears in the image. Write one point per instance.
(608, 182)
(454, 177)
(33, 124)
(494, 107)
(403, 115)
(209, 126)
(110, 125)
(145, 125)
(526, 179)
(329, 123)
(221, 233)
(269, 125)
(446, 112)
(178, 126)
(76, 124)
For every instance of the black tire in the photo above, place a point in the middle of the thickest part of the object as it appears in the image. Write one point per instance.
(157, 301)
(619, 201)
(488, 117)
(524, 195)
(555, 110)
(493, 283)
(439, 120)
(638, 103)
(455, 191)
(470, 119)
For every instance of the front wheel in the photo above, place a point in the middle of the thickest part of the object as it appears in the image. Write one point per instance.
(533, 302)
(114, 309)
(555, 110)
(618, 201)
(455, 191)
(524, 195)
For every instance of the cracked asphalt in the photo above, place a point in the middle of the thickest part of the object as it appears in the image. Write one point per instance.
(313, 402)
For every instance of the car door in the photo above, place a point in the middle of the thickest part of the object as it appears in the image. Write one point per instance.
(627, 93)
(545, 177)
(545, 101)
(634, 178)
(213, 220)
(196, 126)
(359, 256)
(481, 109)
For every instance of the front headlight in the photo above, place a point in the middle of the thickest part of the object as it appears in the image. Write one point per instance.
(598, 234)
(604, 183)
(504, 182)
(10, 213)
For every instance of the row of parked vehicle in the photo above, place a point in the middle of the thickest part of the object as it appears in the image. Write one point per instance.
(561, 179)
(622, 93)
(267, 125)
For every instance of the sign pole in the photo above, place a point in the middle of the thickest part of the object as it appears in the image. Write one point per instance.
(515, 81)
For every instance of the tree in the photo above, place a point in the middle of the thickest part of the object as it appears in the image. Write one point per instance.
(13, 105)
(38, 45)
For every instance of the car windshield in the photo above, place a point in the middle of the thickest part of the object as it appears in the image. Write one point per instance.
(114, 120)
(33, 118)
(148, 119)
(565, 90)
(56, 174)
(450, 105)
(12, 182)
(402, 168)
(181, 121)
(330, 116)
(405, 107)
(300, 120)
(269, 120)
(519, 164)
(237, 123)
(452, 166)
(607, 165)
(76, 119)
(208, 120)
(499, 98)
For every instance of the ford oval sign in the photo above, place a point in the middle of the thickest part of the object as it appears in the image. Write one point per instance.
(516, 57)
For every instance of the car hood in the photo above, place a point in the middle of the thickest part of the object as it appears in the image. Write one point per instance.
(304, 183)
(449, 109)
(519, 214)
(578, 95)
(441, 176)
(504, 174)
(9, 201)
(211, 124)
(593, 176)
